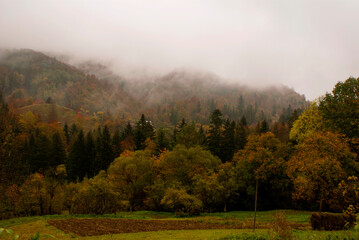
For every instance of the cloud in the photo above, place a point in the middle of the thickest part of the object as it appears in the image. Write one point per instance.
(308, 45)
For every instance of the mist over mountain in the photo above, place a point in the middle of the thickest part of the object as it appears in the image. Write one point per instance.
(29, 77)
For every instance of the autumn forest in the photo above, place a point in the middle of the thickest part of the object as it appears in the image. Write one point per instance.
(81, 139)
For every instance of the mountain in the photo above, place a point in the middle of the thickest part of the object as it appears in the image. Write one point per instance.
(28, 77)
(28, 74)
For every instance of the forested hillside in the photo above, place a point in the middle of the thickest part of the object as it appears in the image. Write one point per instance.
(72, 141)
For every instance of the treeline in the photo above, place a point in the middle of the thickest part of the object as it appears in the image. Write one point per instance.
(308, 162)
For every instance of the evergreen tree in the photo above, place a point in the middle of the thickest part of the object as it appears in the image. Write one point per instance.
(116, 143)
(264, 127)
(67, 134)
(58, 153)
(162, 141)
(73, 131)
(202, 137)
(244, 121)
(240, 136)
(144, 130)
(40, 154)
(104, 155)
(77, 159)
(214, 139)
(90, 154)
(228, 145)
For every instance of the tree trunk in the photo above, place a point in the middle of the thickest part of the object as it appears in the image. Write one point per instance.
(255, 206)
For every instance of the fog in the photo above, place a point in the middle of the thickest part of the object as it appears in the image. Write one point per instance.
(305, 44)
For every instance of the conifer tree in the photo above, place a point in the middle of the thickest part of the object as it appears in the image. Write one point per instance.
(91, 154)
(58, 153)
(240, 136)
(215, 138)
(162, 141)
(228, 145)
(67, 134)
(144, 130)
(116, 143)
(77, 161)
(264, 127)
(104, 155)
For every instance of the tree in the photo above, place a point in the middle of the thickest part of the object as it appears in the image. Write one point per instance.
(228, 142)
(188, 135)
(34, 196)
(104, 151)
(176, 164)
(214, 139)
(91, 153)
(144, 130)
(116, 143)
(181, 202)
(57, 153)
(131, 175)
(264, 127)
(319, 163)
(162, 142)
(307, 124)
(341, 107)
(261, 161)
(77, 161)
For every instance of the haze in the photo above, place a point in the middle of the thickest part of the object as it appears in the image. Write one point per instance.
(305, 44)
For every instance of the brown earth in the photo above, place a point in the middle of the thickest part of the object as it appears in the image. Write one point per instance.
(94, 227)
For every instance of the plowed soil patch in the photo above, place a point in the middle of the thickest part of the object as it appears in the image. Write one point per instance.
(94, 227)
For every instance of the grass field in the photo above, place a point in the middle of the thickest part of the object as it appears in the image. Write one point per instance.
(28, 226)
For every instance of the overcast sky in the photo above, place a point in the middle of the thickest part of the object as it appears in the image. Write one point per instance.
(305, 44)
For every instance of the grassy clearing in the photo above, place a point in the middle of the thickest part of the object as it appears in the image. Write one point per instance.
(28, 226)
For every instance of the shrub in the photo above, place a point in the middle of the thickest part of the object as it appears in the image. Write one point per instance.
(332, 221)
(181, 202)
(281, 227)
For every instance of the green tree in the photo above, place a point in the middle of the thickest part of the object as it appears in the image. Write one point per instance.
(176, 164)
(307, 124)
(215, 138)
(341, 107)
(261, 162)
(76, 160)
(58, 152)
(104, 151)
(131, 175)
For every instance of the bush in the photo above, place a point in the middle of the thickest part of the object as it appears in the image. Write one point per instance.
(281, 227)
(332, 221)
(179, 201)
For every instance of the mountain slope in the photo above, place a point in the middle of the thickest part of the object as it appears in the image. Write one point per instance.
(28, 77)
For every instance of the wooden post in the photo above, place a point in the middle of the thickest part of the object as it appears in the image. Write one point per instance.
(255, 206)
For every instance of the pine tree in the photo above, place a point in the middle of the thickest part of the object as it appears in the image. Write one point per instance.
(264, 127)
(162, 141)
(58, 153)
(240, 136)
(202, 137)
(90, 154)
(67, 134)
(214, 139)
(77, 161)
(104, 155)
(116, 143)
(144, 130)
(228, 145)
(40, 152)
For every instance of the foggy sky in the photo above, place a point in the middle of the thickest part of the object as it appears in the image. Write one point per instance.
(305, 44)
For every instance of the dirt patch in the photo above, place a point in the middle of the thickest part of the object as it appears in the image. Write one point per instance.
(94, 227)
